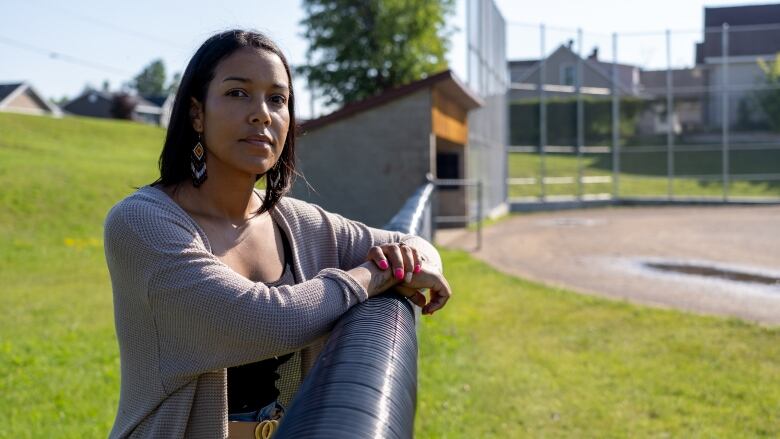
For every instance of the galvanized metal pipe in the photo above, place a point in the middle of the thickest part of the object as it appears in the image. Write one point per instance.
(615, 122)
(580, 115)
(725, 109)
(542, 114)
(669, 118)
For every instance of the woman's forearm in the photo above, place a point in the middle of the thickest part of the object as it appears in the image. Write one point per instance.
(370, 277)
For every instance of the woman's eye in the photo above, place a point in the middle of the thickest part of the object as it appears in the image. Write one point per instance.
(237, 93)
(278, 99)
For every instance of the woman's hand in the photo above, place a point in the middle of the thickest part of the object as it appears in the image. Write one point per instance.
(431, 279)
(404, 260)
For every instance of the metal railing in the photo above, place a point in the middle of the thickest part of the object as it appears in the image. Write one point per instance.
(364, 383)
(473, 215)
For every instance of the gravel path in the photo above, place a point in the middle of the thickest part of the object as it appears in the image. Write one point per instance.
(602, 252)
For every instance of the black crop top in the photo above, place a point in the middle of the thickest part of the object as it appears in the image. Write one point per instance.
(253, 386)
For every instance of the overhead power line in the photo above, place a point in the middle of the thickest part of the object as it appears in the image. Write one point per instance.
(63, 57)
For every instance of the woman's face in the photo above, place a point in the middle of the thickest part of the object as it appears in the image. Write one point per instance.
(245, 119)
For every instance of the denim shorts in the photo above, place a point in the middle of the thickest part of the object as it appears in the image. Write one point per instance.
(272, 411)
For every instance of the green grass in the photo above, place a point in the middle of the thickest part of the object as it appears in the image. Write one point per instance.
(506, 359)
(58, 349)
(509, 358)
(644, 174)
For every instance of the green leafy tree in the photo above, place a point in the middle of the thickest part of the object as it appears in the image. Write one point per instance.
(359, 48)
(123, 105)
(151, 80)
(769, 99)
(174, 84)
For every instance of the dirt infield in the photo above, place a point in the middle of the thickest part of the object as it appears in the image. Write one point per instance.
(605, 251)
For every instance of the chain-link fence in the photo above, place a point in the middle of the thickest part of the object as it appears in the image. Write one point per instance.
(487, 126)
(684, 115)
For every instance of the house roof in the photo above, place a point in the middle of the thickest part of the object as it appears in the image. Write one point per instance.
(593, 61)
(7, 89)
(753, 30)
(742, 15)
(600, 67)
(158, 100)
(11, 90)
(97, 93)
(446, 82)
(523, 62)
(654, 81)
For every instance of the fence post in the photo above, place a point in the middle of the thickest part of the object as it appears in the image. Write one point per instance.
(669, 118)
(615, 122)
(580, 115)
(542, 115)
(725, 109)
(479, 214)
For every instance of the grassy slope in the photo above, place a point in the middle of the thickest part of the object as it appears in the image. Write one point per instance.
(535, 360)
(58, 351)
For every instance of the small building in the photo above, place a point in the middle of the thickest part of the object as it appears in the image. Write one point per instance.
(147, 110)
(364, 160)
(21, 97)
(754, 33)
(689, 97)
(165, 104)
(91, 103)
(560, 76)
(153, 110)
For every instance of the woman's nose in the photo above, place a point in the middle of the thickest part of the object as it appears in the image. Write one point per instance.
(261, 114)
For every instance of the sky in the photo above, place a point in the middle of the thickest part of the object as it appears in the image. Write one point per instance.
(59, 47)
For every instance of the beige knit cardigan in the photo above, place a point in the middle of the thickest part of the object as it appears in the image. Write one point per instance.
(182, 316)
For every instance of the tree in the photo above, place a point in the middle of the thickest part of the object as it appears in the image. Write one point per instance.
(174, 84)
(60, 101)
(151, 80)
(122, 105)
(360, 48)
(769, 99)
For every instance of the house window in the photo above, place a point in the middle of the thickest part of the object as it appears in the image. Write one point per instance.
(448, 167)
(568, 75)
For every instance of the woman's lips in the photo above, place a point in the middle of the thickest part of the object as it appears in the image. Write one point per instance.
(258, 142)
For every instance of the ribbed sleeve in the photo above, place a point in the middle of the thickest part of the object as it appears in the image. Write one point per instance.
(355, 239)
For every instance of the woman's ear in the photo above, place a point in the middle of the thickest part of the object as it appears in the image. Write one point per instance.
(196, 115)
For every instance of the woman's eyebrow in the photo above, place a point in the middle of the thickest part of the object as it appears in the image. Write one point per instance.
(236, 78)
(277, 85)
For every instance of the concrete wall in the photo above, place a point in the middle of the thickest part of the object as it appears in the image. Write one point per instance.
(365, 166)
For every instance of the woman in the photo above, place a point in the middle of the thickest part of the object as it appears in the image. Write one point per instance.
(219, 291)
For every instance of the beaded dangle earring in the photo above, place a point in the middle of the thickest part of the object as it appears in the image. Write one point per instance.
(198, 163)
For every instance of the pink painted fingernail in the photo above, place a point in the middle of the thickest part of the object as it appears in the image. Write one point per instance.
(417, 268)
(383, 264)
(399, 273)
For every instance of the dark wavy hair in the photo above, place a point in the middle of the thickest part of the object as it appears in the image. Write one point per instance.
(181, 137)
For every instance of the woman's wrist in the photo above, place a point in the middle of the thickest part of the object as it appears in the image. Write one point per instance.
(372, 279)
